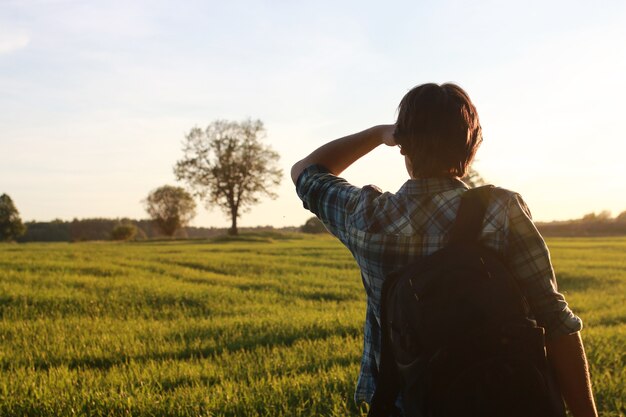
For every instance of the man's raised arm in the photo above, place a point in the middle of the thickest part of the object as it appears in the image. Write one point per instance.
(339, 154)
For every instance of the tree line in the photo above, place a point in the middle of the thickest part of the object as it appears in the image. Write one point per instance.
(591, 224)
(104, 229)
(79, 230)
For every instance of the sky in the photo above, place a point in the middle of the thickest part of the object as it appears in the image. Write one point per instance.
(96, 97)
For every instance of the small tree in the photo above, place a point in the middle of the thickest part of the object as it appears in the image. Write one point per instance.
(171, 208)
(124, 231)
(11, 226)
(228, 165)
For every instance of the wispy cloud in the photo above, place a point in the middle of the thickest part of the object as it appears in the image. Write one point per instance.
(12, 42)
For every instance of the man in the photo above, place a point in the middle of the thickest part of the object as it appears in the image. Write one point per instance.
(438, 133)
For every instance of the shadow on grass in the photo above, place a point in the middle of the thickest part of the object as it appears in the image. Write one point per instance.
(261, 237)
(247, 340)
(575, 282)
(248, 237)
(48, 269)
(199, 267)
(612, 321)
(309, 367)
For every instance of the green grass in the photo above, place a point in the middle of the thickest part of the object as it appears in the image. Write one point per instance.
(266, 325)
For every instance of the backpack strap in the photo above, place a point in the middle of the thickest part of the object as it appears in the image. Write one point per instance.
(466, 228)
(471, 214)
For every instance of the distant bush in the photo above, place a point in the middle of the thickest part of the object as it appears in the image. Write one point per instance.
(124, 232)
(313, 225)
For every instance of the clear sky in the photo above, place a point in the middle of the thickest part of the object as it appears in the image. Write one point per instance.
(96, 96)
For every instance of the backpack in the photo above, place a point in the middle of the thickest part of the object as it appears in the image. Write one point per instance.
(458, 337)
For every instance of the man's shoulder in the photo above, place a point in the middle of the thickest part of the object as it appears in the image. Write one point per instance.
(506, 207)
(509, 197)
(503, 195)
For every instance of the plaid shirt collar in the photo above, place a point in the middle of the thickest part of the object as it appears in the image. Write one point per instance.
(434, 185)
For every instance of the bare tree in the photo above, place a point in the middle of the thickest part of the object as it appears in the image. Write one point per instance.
(171, 208)
(229, 166)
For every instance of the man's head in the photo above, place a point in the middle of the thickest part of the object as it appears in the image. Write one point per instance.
(438, 130)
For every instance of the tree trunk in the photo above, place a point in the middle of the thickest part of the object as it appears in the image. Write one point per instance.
(233, 227)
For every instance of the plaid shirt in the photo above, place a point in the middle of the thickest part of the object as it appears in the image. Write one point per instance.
(384, 231)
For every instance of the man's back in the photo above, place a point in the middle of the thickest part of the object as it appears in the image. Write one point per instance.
(386, 231)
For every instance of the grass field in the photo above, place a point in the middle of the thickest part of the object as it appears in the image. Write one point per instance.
(264, 325)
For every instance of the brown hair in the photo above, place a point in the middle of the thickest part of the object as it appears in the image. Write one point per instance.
(438, 129)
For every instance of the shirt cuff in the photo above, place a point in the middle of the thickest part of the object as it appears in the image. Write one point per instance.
(562, 323)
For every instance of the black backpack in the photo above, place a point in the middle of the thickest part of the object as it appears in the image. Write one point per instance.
(458, 337)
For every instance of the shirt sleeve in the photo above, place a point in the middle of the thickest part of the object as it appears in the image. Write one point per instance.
(530, 263)
(329, 197)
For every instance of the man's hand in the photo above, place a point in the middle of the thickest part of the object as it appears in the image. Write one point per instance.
(386, 134)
